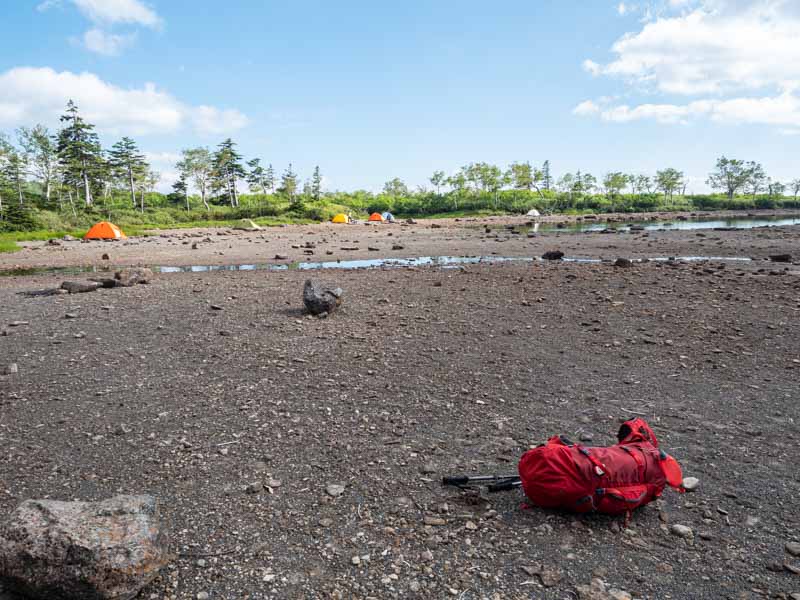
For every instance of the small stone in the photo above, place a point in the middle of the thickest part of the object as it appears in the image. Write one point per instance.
(434, 521)
(12, 369)
(215, 307)
(428, 469)
(71, 316)
(122, 429)
(550, 577)
(356, 560)
(255, 488)
(751, 521)
(426, 556)
(682, 531)
(793, 548)
(106, 257)
(615, 594)
(325, 522)
(624, 263)
(690, 484)
(334, 490)
(531, 570)
(586, 437)
(471, 526)
(553, 255)
(201, 563)
(202, 596)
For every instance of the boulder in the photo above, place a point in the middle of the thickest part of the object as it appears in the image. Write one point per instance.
(82, 550)
(553, 255)
(247, 225)
(133, 275)
(319, 299)
(80, 287)
(781, 258)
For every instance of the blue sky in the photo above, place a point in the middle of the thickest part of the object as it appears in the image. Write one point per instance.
(375, 90)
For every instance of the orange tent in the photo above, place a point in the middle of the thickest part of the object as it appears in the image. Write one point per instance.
(377, 217)
(105, 231)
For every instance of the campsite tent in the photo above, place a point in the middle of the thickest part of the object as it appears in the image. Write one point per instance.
(533, 213)
(376, 218)
(340, 218)
(387, 216)
(105, 231)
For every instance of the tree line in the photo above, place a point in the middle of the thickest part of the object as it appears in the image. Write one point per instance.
(69, 169)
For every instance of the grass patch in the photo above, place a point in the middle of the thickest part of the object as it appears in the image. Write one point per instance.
(8, 246)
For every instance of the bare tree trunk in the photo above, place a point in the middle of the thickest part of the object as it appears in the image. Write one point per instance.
(142, 195)
(47, 188)
(72, 205)
(60, 203)
(203, 197)
(132, 186)
(1, 206)
(87, 192)
(19, 191)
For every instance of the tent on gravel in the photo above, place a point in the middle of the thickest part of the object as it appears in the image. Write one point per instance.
(340, 218)
(105, 231)
(533, 213)
(387, 216)
(376, 218)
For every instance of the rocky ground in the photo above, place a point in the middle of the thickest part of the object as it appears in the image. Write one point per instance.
(298, 457)
(492, 236)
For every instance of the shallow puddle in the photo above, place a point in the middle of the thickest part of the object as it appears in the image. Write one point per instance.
(445, 262)
(667, 225)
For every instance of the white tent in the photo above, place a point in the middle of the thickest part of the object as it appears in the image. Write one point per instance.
(533, 213)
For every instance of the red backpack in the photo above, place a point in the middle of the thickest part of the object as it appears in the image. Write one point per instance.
(613, 480)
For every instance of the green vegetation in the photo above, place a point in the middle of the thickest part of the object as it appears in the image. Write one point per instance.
(63, 182)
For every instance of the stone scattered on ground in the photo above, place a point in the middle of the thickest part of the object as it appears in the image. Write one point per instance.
(133, 275)
(624, 263)
(781, 258)
(319, 299)
(793, 548)
(690, 484)
(682, 531)
(80, 287)
(334, 490)
(105, 550)
(553, 255)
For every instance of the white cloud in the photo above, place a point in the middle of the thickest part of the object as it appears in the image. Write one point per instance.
(586, 108)
(29, 95)
(718, 46)
(740, 57)
(622, 9)
(782, 110)
(213, 120)
(105, 14)
(111, 12)
(107, 44)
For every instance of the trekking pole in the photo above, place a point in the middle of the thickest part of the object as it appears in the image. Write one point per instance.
(460, 480)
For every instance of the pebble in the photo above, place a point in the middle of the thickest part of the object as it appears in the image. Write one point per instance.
(434, 521)
(255, 487)
(690, 484)
(682, 531)
(793, 548)
(428, 469)
(334, 490)
(12, 369)
(202, 596)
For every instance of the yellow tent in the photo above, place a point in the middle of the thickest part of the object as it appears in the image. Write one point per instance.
(340, 218)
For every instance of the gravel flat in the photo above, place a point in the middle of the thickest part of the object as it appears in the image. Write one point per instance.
(298, 457)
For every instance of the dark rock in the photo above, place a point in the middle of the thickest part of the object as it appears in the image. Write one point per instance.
(133, 275)
(553, 255)
(80, 287)
(318, 299)
(105, 257)
(68, 238)
(105, 282)
(781, 258)
(53, 242)
(281, 257)
(82, 550)
(625, 263)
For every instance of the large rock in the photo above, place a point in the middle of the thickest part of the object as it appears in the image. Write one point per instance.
(782, 258)
(80, 287)
(82, 550)
(319, 299)
(553, 255)
(133, 275)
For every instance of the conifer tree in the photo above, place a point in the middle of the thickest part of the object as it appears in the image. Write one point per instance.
(79, 151)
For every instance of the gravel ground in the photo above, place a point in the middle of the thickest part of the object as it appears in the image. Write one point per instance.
(506, 236)
(298, 457)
